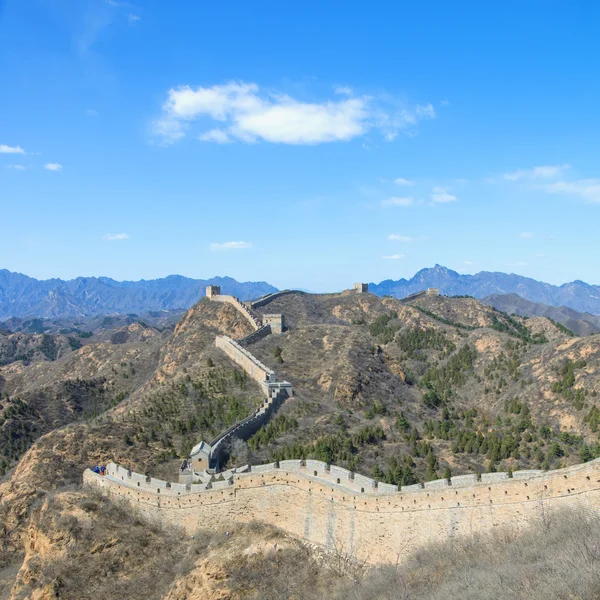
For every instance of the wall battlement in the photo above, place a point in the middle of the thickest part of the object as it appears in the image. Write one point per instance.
(379, 524)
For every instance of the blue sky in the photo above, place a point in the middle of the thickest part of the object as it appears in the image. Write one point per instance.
(310, 145)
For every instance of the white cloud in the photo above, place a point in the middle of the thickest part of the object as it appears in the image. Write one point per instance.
(425, 112)
(587, 189)
(441, 195)
(231, 246)
(112, 237)
(394, 237)
(249, 114)
(343, 90)
(402, 181)
(469, 262)
(395, 201)
(169, 130)
(53, 167)
(393, 257)
(526, 235)
(540, 255)
(15, 167)
(4, 149)
(543, 172)
(215, 135)
(90, 112)
(133, 19)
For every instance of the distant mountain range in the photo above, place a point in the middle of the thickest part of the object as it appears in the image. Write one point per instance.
(22, 296)
(25, 297)
(577, 295)
(579, 323)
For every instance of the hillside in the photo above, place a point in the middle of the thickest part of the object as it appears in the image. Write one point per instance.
(404, 392)
(578, 322)
(577, 295)
(22, 296)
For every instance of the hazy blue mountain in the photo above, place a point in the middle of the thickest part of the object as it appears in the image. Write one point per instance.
(22, 296)
(580, 323)
(577, 295)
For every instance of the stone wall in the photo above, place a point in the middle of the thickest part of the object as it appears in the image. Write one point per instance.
(269, 297)
(257, 335)
(246, 428)
(423, 293)
(378, 525)
(255, 369)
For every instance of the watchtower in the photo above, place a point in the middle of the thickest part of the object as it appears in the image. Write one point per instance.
(213, 290)
(361, 288)
(433, 292)
(276, 322)
(200, 456)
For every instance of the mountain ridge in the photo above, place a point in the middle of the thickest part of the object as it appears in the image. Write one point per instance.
(580, 323)
(24, 296)
(577, 294)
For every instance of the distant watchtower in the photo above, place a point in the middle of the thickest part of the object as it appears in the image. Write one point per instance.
(361, 288)
(213, 290)
(277, 323)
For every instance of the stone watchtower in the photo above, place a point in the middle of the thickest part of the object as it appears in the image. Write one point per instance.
(200, 456)
(213, 290)
(276, 322)
(361, 288)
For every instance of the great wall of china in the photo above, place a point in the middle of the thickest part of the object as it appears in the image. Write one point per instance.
(338, 510)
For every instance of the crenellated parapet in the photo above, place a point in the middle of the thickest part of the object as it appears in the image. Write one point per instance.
(355, 483)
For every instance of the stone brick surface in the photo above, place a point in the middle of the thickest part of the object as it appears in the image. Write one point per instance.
(374, 527)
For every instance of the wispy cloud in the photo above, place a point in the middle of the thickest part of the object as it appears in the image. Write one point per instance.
(469, 262)
(395, 237)
(4, 149)
(231, 246)
(343, 90)
(393, 257)
(53, 167)
(248, 114)
(115, 237)
(519, 263)
(396, 201)
(133, 19)
(543, 172)
(402, 181)
(15, 167)
(441, 195)
(215, 135)
(90, 112)
(587, 189)
(526, 235)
